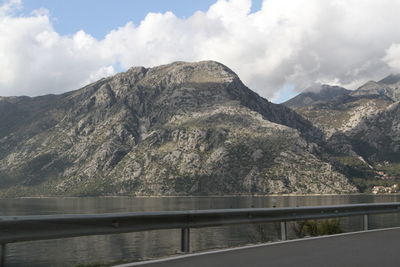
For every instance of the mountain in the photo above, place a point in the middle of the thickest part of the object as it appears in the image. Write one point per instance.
(362, 130)
(343, 113)
(176, 129)
(388, 86)
(378, 137)
(335, 109)
(319, 94)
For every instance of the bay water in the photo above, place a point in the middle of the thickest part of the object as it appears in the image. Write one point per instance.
(107, 249)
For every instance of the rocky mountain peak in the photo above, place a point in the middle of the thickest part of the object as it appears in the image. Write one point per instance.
(390, 79)
(162, 93)
(388, 87)
(197, 72)
(316, 94)
(370, 87)
(181, 73)
(331, 91)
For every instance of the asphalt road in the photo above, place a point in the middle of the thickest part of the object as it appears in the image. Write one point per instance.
(375, 248)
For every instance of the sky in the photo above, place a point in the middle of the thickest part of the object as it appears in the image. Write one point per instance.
(277, 47)
(99, 17)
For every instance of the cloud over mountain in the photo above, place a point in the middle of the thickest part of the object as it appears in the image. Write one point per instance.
(296, 42)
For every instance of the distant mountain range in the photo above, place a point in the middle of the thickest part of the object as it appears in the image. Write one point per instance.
(362, 128)
(196, 129)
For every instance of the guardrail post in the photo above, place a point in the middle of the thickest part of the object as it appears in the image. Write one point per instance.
(185, 240)
(365, 222)
(283, 231)
(3, 255)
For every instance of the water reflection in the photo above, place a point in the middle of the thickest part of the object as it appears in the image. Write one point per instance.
(145, 245)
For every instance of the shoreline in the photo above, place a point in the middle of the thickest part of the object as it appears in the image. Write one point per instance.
(202, 196)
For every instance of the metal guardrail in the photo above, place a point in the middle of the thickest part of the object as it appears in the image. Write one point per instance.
(27, 228)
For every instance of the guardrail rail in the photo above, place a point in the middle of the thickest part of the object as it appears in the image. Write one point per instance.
(41, 227)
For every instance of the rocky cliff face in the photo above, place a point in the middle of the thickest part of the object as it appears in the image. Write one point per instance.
(341, 114)
(177, 129)
(377, 137)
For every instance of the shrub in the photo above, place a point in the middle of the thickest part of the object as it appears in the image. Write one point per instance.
(317, 227)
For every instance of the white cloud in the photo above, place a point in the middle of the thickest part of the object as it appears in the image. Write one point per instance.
(392, 57)
(9, 7)
(297, 42)
(35, 59)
